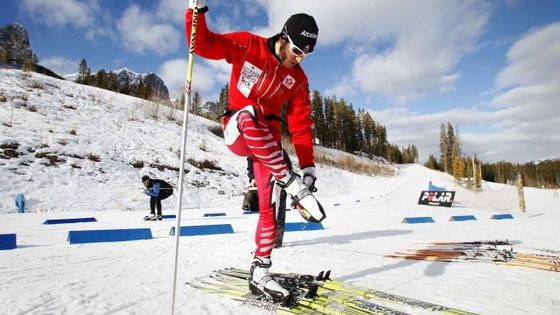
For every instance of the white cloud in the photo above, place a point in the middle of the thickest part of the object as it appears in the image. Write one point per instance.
(524, 68)
(524, 121)
(104, 27)
(345, 88)
(234, 12)
(87, 15)
(173, 73)
(208, 77)
(140, 33)
(62, 12)
(172, 11)
(531, 114)
(403, 49)
(60, 65)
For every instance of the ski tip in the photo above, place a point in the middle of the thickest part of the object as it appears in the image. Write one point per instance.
(328, 275)
(323, 275)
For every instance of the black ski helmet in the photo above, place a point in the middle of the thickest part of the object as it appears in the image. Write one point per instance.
(302, 30)
(145, 178)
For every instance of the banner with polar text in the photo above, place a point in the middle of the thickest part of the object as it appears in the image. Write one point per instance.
(443, 198)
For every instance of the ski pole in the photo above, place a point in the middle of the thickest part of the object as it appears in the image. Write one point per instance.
(186, 106)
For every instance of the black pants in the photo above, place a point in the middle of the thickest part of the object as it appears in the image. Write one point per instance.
(155, 202)
(280, 220)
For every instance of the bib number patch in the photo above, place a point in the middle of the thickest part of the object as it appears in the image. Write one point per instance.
(248, 77)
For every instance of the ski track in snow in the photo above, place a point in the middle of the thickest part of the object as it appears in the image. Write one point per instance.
(46, 275)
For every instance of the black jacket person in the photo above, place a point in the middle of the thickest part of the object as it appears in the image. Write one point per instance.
(158, 190)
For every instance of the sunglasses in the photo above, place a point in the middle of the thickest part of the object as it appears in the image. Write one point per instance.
(295, 49)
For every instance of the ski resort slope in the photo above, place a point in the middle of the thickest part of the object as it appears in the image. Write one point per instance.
(47, 275)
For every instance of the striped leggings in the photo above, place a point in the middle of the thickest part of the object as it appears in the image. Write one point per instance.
(248, 133)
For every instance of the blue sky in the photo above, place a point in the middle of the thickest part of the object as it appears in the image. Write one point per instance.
(488, 67)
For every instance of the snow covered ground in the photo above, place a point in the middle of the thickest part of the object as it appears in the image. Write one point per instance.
(46, 275)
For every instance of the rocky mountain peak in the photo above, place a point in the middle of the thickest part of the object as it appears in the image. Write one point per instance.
(14, 45)
(151, 79)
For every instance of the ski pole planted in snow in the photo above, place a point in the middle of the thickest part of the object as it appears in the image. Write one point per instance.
(183, 147)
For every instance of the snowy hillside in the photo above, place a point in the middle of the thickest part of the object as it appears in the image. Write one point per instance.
(72, 151)
(76, 147)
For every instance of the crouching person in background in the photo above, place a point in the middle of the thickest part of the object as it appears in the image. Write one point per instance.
(158, 190)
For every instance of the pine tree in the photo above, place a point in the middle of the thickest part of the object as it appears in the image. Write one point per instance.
(394, 154)
(357, 126)
(112, 82)
(140, 89)
(83, 71)
(180, 102)
(381, 144)
(458, 163)
(443, 145)
(432, 163)
(222, 103)
(125, 87)
(413, 153)
(89, 78)
(458, 168)
(410, 154)
(196, 103)
(369, 132)
(457, 143)
(349, 136)
(318, 116)
(338, 124)
(101, 79)
(330, 131)
(450, 148)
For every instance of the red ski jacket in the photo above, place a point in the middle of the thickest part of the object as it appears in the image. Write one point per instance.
(258, 78)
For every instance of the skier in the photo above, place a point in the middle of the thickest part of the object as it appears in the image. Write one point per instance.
(158, 190)
(266, 74)
(251, 197)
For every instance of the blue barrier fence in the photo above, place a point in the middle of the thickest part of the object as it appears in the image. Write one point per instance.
(101, 236)
(71, 220)
(203, 230)
(7, 241)
(214, 214)
(415, 220)
(302, 226)
(463, 218)
(504, 216)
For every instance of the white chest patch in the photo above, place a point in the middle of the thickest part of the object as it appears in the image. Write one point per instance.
(289, 81)
(248, 77)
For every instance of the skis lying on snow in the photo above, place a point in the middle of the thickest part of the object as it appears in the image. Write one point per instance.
(475, 243)
(315, 295)
(548, 250)
(495, 252)
(305, 289)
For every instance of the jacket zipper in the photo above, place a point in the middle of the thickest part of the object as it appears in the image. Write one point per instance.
(268, 88)
(263, 79)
